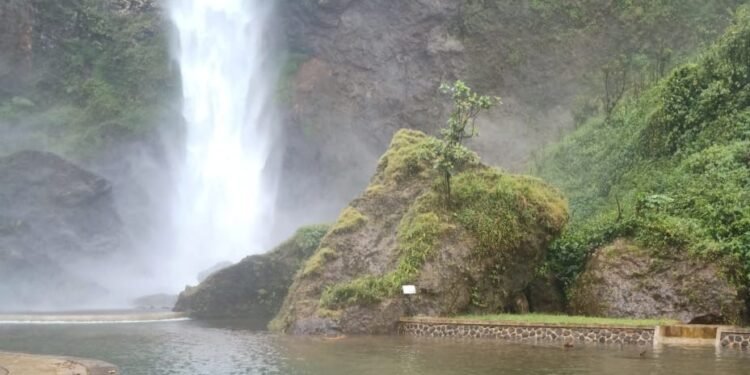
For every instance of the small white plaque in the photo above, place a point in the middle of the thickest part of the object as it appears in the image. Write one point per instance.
(409, 289)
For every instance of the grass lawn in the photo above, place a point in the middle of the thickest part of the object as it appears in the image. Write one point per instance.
(566, 319)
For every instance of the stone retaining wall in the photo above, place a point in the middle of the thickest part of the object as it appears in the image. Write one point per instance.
(734, 338)
(527, 332)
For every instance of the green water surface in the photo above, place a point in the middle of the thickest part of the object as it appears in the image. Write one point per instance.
(219, 348)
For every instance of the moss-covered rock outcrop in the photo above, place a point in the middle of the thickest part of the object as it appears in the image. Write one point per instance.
(476, 252)
(256, 286)
(625, 280)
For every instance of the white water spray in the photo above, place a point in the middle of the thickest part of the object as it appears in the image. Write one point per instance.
(225, 196)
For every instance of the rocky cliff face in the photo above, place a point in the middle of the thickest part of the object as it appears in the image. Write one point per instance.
(15, 43)
(368, 68)
(256, 286)
(54, 217)
(475, 254)
(624, 280)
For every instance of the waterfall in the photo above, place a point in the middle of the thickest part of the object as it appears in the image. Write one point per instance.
(225, 190)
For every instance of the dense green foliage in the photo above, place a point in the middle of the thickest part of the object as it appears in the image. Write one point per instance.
(97, 72)
(451, 153)
(502, 211)
(309, 237)
(669, 167)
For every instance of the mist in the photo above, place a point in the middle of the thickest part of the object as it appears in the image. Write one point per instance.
(210, 160)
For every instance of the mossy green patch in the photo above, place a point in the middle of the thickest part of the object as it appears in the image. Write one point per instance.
(374, 190)
(500, 209)
(349, 220)
(417, 237)
(410, 155)
(315, 263)
(326, 313)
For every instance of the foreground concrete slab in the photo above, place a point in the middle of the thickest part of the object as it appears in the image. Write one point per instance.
(25, 364)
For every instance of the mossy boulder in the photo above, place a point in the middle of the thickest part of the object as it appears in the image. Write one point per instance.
(256, 286)
(474, 252)
(624, 280)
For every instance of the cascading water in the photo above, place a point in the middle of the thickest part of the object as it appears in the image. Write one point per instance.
(225, 196)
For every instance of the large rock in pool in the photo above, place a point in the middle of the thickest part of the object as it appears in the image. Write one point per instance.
(476, 252)
(624, 280)
(54, 216)
(256, 286)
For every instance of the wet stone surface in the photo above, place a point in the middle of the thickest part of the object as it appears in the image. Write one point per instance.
(604, 335)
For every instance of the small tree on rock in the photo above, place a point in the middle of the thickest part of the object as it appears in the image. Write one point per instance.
(451, 153)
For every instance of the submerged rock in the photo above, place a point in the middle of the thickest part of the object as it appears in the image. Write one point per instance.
(624, 280)
(54, 216)
(256, 286)
(477, 253)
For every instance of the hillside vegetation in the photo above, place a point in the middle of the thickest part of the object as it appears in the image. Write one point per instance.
(89, 72)
(669, 167)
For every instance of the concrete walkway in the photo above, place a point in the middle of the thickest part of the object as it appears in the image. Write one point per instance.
(26, 364)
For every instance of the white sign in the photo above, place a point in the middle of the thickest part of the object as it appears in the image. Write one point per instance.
(409, 289)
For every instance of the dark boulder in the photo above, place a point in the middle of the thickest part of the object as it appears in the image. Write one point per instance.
(54, 216)
(256, 286)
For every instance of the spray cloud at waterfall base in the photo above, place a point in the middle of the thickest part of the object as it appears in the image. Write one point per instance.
(223, 207)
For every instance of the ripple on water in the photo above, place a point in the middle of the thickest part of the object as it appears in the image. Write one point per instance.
(223, 348)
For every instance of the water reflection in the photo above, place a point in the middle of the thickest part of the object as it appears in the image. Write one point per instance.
(240, 348)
